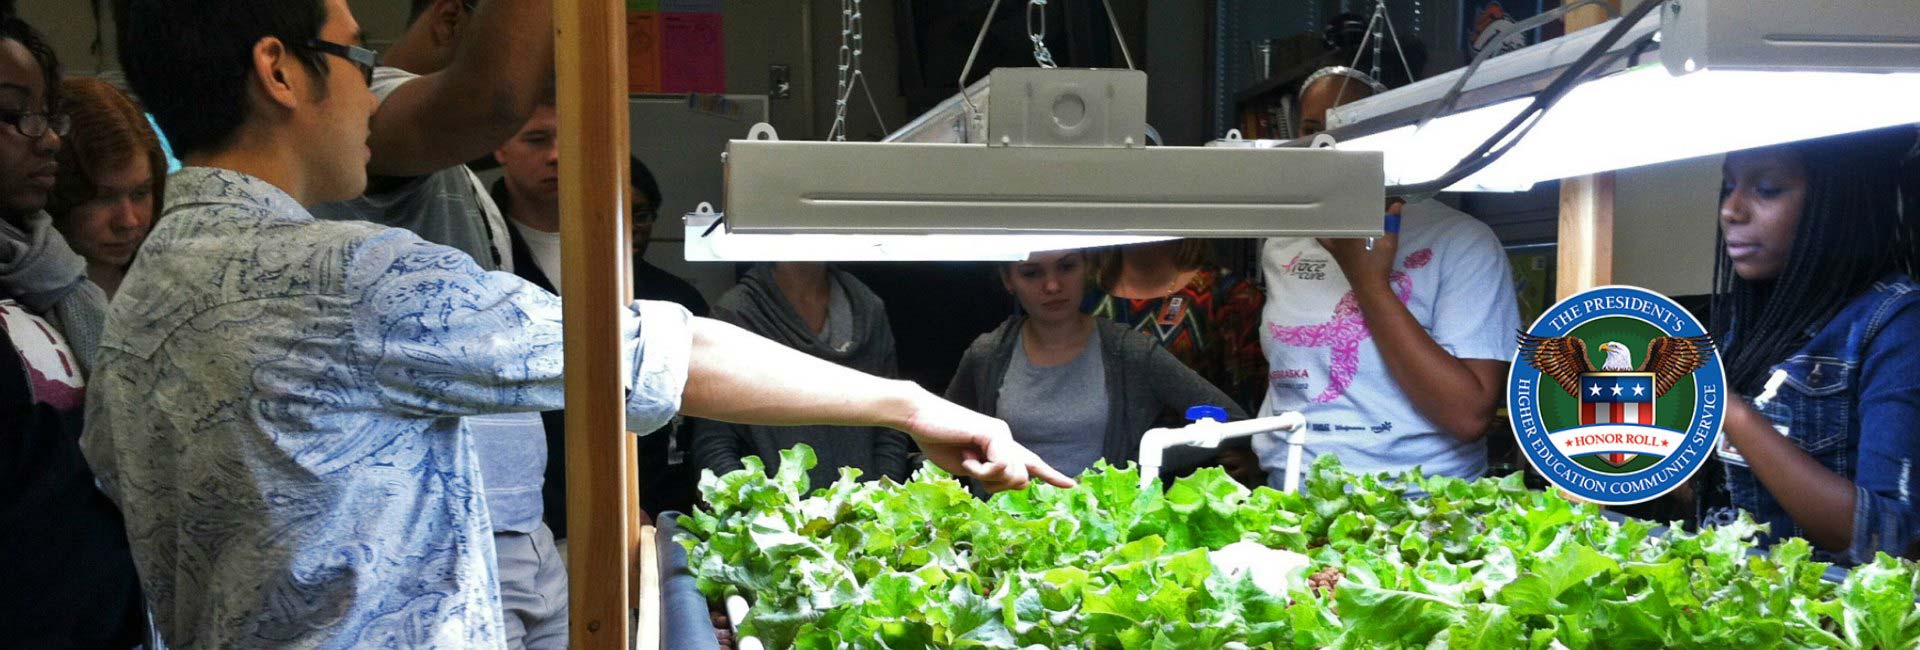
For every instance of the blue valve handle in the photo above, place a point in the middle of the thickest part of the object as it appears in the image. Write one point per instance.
(1392, 228)
(1206, 411)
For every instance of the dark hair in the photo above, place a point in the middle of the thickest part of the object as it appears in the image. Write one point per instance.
(1851, 233)
(189, 60)
(12, 28)
(642, 179)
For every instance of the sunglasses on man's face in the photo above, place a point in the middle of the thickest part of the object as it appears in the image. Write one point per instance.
(360, 57)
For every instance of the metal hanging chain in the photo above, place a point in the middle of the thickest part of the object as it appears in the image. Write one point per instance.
(1398, 47)
(851, 44)
(1040, 50)
(1375, 34)
(1359, 50)
(1041, 56)
(1379, 38)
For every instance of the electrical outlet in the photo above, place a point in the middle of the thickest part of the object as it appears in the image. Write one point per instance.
(779, 81)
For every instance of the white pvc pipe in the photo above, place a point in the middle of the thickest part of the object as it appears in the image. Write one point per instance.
(1210, 433)
(737, 612)
(1296, 449)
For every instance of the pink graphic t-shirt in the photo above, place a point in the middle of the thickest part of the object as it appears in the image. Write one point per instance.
(1453, 276)
(53, 372)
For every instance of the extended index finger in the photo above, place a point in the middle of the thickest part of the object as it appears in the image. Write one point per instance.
(1041, 470)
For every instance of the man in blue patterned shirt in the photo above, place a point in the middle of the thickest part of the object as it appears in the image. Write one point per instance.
(278, 400)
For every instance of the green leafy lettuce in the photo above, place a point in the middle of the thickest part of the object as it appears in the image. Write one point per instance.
(1471, 565)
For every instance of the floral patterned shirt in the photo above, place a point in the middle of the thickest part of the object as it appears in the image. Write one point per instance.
(277, 410)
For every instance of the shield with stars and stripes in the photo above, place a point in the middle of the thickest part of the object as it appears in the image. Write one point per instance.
(1616, 398)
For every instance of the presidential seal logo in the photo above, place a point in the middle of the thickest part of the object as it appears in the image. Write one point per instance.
(1616, 395)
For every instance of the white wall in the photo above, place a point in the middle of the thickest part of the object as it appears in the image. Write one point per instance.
(1663, 226)
(1664, 222)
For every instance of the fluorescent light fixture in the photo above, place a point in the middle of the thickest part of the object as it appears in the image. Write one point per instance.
(1065, 154)
(1646, 116)
(722, 246)
(1746, 82)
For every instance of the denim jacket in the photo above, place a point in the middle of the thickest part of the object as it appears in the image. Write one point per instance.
(1851, 399)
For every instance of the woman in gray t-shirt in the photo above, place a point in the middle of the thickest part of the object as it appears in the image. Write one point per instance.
(1074, 389)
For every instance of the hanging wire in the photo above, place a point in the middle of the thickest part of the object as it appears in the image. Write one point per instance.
(1040, 53)
(966, 125)
(1448, 100)
(1500, 143)
(1379, 30)
(1118, 38)
(860, 77)
(1398, 47)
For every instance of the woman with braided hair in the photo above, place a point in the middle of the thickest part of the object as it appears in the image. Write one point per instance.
(1818, 318)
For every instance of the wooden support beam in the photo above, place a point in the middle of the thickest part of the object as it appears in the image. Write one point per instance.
(590, 58)
(648, 600)
(1586, 206)
(1586, 212)
(1586, 233)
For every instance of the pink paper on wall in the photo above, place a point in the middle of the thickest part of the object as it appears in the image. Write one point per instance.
(693, 59)
(643, 52)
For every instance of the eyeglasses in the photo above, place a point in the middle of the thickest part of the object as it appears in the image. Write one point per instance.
(35, 125)
(360, 57)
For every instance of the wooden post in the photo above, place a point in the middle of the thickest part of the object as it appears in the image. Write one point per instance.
(591, 64)
(648, 600)
(1586, 212)
(1586, 233)
(1586, 206)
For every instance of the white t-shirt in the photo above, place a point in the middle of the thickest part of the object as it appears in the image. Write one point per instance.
(545, 247)
(1452, 275)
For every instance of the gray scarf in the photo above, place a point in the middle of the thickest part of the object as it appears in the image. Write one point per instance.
(39, 270)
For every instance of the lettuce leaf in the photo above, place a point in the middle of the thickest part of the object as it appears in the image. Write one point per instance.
(1110, 564)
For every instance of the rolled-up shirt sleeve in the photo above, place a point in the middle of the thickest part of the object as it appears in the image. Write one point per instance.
(662, 348)
(437, 336)
(1886, 515)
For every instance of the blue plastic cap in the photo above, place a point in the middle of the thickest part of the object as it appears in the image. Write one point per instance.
(1206, 411)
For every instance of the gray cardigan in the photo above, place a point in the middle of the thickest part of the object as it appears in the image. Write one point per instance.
(757, 305)
(1146, 385)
